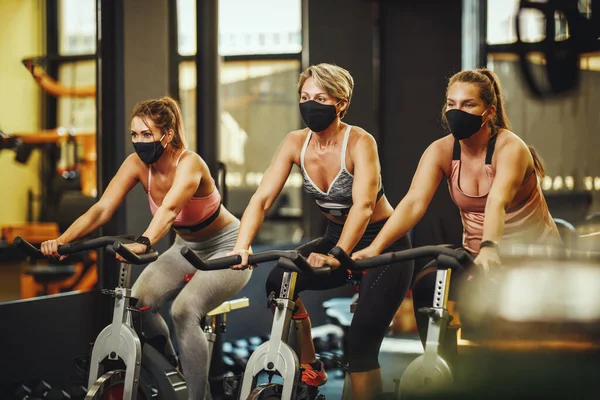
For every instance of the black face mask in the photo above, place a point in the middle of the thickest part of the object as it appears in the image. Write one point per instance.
(318, 116)
(149, 152)
(462, 124)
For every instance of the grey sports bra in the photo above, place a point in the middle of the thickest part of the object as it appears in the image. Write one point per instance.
(337, 201)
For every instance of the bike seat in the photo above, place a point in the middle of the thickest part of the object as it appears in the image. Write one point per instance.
(230, 306)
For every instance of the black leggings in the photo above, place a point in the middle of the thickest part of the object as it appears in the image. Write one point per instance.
(381, 291)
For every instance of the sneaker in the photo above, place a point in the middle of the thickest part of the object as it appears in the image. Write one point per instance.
(312, 377)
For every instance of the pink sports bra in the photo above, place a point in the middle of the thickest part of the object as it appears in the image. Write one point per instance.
(198, 212)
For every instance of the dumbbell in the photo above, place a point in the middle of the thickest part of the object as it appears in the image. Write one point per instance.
(320, 344)
(234, 364)
(241, 352)
(334, 341)
(77, 392)
(227, 347)
(254, 342)
(21, 392)
(241, 343)
(338, 357)
(43, 390)
(327, 358)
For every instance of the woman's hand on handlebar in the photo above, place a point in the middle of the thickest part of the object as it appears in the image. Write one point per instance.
(49, 248)
(317, 260)
(244, 253)
(367, 252)
(487, 259)
(136, 248)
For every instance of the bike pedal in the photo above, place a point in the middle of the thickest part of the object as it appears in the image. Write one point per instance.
(271, 300)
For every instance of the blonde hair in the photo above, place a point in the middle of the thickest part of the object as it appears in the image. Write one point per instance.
(165, 113)
(336, 81)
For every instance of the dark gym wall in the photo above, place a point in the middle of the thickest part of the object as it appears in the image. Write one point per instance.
(400, 54)
(420, 50)
(342, 32)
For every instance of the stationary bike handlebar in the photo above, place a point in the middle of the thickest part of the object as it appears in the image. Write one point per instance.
(130, 256)
(288, 259)
(447, 258)
(111, 243)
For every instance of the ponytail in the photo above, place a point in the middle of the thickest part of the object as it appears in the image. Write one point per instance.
(166, 114)
(540, 170)
(501, 119)
(179, 140)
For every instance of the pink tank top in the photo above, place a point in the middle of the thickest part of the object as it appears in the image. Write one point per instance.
(196, 210)
(528, 219)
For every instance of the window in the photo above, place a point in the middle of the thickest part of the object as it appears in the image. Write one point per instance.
(258, 93)
(501, 23)
(77, 27)
(246, 27)
(79, 113)
(259, 107)
(76, 67)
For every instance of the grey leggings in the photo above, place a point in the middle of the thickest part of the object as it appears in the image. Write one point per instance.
(163, 279)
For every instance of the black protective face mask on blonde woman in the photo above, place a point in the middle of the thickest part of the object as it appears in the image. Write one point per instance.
(462, 124)
(318, 116)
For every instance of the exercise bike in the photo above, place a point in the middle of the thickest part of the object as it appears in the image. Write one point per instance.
(429, 372)
(119, 369)
(280, 354)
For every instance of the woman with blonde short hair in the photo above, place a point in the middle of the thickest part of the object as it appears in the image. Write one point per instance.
(341, 171)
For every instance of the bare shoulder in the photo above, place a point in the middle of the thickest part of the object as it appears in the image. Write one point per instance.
(508, 138)
(295, 138)
(440, 153)
(361, 142)
(192, 162)
(442, 147)
(191, 158)
(135, 166)
(291, 145)
(509, 142)
(359, 136)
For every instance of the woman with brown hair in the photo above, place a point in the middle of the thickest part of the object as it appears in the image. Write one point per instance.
(181, 195)
(492, 176)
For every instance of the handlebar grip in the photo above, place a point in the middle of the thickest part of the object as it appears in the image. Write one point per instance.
(288, 264)
(223, 262)
(266, 257)
(323, 271)
(300, 261)
(211, 265)
(28, 248)
(465, 258)
(446, 262)
(343, 258)
(133, 258)
(92, 244)
(193, 258)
